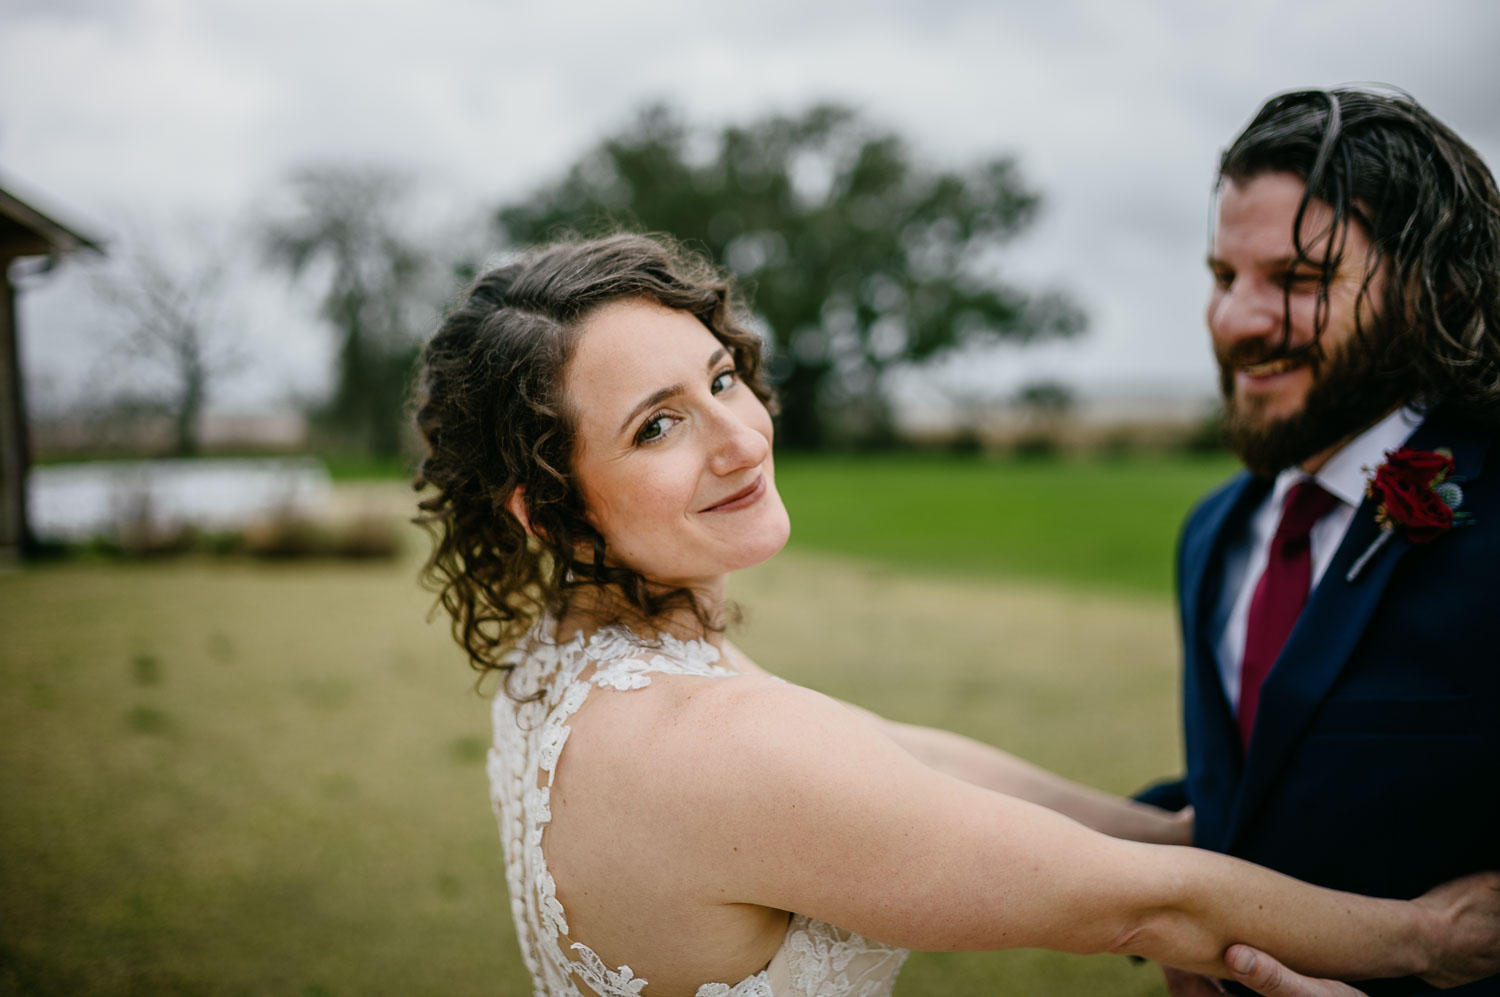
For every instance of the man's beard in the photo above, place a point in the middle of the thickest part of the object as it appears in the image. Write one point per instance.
(1349, 393)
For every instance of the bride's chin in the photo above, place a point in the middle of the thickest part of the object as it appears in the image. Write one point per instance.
(753, 547)
(774, 542)
(756, 559)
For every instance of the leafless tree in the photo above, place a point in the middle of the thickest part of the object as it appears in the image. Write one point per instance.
(171, 331)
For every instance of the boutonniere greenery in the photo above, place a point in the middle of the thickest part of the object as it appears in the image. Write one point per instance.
(1416, 495)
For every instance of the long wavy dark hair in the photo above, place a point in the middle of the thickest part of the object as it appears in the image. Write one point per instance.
(1432, 212)
(492, 414)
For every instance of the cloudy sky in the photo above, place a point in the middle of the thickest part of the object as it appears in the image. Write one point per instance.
(121, 114)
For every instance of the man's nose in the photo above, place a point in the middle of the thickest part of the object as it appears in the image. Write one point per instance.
(1245, 310)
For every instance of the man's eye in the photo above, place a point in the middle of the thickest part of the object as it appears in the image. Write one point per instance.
(1223, 278)
(723, 381)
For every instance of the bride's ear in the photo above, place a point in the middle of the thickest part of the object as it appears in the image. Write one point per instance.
(516, 506)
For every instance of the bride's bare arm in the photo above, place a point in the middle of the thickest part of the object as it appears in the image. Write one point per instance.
(787, 799)
(999, 770)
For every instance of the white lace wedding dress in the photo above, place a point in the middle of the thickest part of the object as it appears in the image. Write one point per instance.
(815, 959)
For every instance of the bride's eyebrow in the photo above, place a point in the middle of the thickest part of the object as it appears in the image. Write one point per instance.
(657, 397)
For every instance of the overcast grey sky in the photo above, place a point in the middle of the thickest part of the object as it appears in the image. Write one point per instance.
(113, 110)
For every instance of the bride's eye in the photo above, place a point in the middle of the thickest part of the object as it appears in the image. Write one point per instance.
(654, 428)
(724, 380)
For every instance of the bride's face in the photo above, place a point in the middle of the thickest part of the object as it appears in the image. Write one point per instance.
(673, 452)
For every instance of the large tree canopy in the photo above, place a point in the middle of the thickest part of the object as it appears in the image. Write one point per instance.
(857, 256)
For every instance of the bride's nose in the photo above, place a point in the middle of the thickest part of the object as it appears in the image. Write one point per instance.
(737, 444)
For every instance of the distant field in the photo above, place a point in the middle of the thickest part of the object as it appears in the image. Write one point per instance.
(1101, 523)
(345, 467)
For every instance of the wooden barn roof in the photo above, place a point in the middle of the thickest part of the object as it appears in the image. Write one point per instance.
(25, 231)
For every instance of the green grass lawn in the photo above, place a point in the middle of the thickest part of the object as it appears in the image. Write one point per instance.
(234, 778)
(1109, 523)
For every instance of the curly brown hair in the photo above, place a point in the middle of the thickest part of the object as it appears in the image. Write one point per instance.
(493, 416)
(1432, 212)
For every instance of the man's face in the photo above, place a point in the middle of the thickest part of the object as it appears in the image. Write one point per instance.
(1288, 399)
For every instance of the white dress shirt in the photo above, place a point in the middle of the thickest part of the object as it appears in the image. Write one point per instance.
(1344, 478)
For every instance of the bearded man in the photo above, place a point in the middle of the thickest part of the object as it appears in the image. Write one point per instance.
(1340, 599)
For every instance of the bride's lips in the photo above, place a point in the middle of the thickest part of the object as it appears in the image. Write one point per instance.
(740, 499)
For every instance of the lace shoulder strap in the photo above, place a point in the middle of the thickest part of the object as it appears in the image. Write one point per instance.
(668, 656)
(549, 683)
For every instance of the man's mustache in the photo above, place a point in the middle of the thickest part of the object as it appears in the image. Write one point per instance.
(1248, 352)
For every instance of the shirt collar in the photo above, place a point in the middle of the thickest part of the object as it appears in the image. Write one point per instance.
(1345, 474)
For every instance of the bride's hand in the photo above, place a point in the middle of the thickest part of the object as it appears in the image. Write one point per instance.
(1466, 940)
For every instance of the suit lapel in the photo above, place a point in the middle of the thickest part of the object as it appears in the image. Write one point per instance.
(1212, 739)
(1331, 625)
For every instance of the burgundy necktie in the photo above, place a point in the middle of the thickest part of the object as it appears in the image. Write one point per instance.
(1280, 594)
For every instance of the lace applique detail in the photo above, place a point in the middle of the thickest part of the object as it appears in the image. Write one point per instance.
(675, 658)
(755, 986)
(825, 961)
(601, 978)
(816, 960)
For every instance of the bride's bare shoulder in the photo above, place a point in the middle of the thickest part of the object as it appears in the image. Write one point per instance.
(652, 770)
(674, 712)
(709, 739)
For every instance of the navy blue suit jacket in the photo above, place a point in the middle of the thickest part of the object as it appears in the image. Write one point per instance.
(1374, 765)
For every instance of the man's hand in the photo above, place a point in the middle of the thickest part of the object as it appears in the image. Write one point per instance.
(1469, 938)
(1260, 973)
(1265, 975)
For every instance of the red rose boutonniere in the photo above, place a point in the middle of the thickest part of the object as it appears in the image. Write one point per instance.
(1417, 495)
